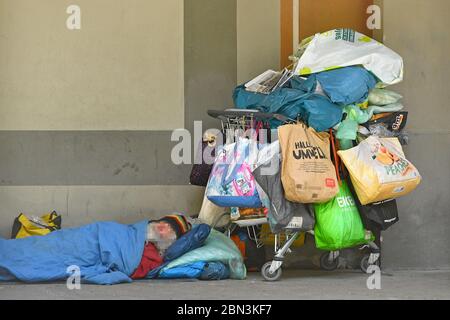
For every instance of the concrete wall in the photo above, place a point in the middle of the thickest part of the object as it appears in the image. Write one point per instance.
(258, 37)
(210, 58)
(418, 31)
(106, 76)
(102, 149)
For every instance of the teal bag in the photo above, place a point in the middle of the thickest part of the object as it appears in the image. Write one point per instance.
(338, 223)
(217, 248)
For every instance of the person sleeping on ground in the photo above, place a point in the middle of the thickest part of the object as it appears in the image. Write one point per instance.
(104, 252)
(110, 253)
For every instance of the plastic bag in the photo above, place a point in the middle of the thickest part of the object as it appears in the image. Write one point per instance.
(382, 97)
(338, 224)
(344, 86)
(231, 183)
(347, 128)
(217, 247)
(345, 47)
(394, 122)
(281, 210)
(379, 170)
(212, 214)
(377, 216)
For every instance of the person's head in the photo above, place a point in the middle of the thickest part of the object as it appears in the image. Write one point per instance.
(167, 230)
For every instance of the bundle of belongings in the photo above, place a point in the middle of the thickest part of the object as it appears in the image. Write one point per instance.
(339, 162)
(111, 253)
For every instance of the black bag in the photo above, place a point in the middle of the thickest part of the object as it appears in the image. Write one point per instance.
(381, 215)
(201, 171)
(394, 122)
(377, 216)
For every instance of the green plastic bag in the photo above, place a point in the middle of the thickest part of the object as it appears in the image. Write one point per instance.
(338, 223)
(382, 97)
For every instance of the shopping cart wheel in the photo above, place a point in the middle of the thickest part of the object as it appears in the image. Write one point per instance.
(328, 265)
(365, 263)
(267, 275)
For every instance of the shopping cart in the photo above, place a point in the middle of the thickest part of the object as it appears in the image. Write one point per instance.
(234, 122)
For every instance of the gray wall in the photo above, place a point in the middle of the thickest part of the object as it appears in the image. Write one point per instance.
(418, 31)
(258, 37)
(119, 175)
(210, 58)
(105, 76)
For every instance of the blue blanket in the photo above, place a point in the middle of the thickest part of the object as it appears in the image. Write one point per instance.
(105, 252)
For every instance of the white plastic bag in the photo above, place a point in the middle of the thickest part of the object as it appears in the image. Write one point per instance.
(345, 47)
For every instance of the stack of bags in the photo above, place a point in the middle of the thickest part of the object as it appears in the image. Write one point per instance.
(340, 88)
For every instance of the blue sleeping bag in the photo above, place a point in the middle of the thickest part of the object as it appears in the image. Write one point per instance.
(105, 252)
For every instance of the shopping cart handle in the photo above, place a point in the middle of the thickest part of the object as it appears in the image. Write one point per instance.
(230, 113)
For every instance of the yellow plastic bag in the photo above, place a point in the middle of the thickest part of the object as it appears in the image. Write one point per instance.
(379, 170)
(25, 227)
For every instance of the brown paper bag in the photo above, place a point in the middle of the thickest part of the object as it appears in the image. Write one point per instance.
(307, 173)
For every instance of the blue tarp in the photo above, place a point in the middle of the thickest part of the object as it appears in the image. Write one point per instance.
(105, 252)
(345, 86)
(296, 99)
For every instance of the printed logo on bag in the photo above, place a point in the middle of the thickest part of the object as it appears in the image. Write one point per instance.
(393, 164)
(345, 202)
(345, 34)
(304, 150)
(398, 122)
(330, 183)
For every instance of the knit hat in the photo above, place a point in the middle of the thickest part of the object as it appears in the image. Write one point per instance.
(178, 223)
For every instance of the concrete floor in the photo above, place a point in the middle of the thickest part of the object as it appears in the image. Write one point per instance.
(295, 284)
